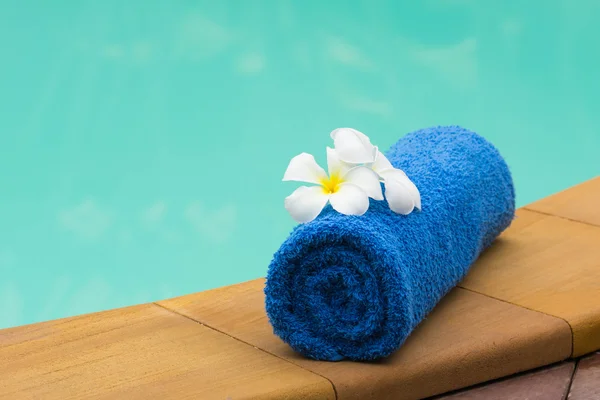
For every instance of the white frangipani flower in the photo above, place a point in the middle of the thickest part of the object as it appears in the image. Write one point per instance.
(347, 187)
(356, 148)
(353, 146)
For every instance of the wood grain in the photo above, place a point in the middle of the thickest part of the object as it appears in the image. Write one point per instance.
(579, 203)
(143, 352)
(469, 338)
(551, 265)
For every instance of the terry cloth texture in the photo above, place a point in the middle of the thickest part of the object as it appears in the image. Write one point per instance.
(355, 287)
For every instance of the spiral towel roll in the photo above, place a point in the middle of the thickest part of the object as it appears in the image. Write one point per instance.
(355, 287)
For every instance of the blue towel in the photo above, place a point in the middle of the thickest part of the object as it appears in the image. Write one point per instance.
(355, 287)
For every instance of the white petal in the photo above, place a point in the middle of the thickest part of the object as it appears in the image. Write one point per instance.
(366, 179)
(304, 168)
(349, 200)
(401, 176)
(335, 165)
(306, 203)
(353, 146)
(399, 191)
(414, 191)
(381, 163)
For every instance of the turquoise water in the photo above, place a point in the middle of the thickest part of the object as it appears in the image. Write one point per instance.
(142, 144)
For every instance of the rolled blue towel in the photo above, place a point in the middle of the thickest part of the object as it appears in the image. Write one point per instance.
(355, 287)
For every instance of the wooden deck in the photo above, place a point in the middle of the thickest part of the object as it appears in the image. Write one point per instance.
(531, 300)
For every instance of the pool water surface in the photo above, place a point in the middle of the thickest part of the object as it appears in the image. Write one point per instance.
(142, 144)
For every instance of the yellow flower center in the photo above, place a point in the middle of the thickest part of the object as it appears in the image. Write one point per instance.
(331, 184)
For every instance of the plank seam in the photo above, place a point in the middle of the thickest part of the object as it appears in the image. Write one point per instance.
(530, 309)
(559, 216)
(250, 344)
(570, 385)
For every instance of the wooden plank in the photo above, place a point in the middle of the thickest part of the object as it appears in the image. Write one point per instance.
(143, 352)
(579, 203)
(469, 338)
(551, 265)
(586, 382)
(550, 383)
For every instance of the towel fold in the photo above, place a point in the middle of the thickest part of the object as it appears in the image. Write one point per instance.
(355, 287)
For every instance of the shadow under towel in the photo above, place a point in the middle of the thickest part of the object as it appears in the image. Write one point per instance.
(355, 287)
